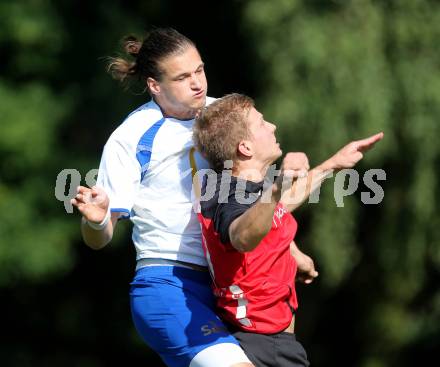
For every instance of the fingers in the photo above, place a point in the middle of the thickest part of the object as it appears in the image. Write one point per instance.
(295, 173)
(77, 204)
(84, 194)
(83, 198)
(82, 189)
(99, 193)
(307, 278)
(295, 161)
(368, 143)
(96, 191)
(95, 194)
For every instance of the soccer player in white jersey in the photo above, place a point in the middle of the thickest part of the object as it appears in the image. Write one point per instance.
(145, 175)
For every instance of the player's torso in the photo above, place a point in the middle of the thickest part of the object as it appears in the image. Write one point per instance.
(252, 288)
(165, 224)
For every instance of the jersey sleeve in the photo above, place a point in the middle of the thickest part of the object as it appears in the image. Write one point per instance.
(119, 175)
(225, 214)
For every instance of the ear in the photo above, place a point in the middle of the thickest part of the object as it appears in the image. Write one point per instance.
(245, 148)
(153, 86)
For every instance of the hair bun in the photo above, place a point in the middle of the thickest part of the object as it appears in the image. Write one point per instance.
(132, 45)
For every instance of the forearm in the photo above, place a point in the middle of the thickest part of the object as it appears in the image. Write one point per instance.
(302, 188)
(306, 271)
(347, 157)
(247, 231)
(294, 250)
(96, 239)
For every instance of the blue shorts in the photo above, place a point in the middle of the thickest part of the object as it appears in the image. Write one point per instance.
(173, 311)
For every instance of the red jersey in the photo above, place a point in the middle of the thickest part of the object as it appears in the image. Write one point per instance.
(255, 290)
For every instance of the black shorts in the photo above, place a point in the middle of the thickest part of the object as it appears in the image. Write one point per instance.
(275, 350)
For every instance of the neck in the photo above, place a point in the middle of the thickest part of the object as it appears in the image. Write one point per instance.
(249, 170)
(169, 110)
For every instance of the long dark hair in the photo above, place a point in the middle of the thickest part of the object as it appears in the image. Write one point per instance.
(146, 55)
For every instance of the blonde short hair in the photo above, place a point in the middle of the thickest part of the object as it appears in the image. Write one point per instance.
(220, 127)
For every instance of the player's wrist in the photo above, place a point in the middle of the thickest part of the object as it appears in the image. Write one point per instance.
(331, 164)
(101, 225)
(275, 196)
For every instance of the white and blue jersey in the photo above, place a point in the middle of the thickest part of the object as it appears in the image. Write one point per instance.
(146, 172)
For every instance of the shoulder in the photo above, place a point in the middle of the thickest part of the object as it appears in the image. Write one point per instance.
(222, 192)
(136, 125)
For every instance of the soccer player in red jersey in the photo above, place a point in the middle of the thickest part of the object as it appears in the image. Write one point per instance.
(248, 230)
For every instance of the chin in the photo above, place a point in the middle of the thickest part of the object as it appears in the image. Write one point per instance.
(275, 156)
(200, 103)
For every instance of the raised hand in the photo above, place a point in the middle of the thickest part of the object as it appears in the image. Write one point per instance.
(92, 203)
(295, 164)
(352, 153)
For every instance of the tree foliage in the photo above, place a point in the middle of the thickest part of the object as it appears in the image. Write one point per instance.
(326, 71)
(333, 71)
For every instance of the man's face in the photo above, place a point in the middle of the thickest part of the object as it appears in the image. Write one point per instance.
(183, 85)
(264, 143)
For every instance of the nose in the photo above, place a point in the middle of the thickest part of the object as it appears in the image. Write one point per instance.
(195, 82)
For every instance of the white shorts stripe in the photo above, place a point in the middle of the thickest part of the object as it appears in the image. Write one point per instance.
(220, 355)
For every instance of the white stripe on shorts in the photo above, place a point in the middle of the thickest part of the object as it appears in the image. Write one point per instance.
(220, 355)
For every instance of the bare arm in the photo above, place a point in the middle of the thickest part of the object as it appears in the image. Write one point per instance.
(93, 204)
(306, 271)
(347, 157)
(97, 239)
(303, 187)
(247, 231)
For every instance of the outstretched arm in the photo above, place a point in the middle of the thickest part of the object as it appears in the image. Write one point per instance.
(247, 231)
(97, 224)
(352, 153)
(347, 157)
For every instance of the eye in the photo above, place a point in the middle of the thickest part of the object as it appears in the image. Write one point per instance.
(181, 78)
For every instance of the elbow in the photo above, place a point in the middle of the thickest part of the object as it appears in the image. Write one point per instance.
(241, 247)
(95, 245)
(244, 243)
(245, 238)
(96, 242)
